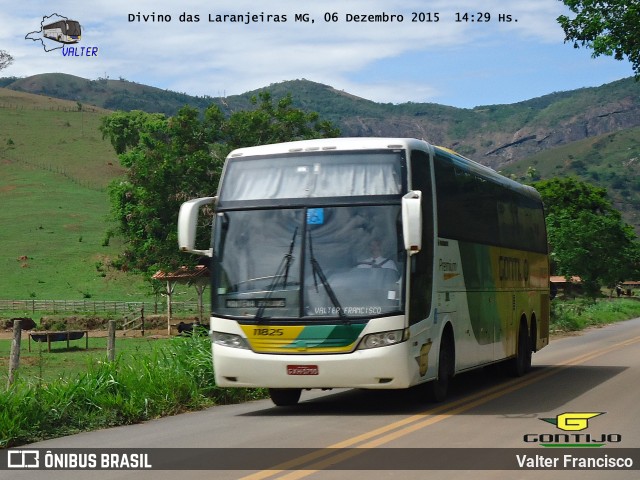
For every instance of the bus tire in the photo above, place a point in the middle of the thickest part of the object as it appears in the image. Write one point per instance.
(285, 397)
(437, 389)
(521, 363)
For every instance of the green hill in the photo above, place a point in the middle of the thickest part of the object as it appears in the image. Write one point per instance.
(54, 167)
(494, 134)
(109, 94)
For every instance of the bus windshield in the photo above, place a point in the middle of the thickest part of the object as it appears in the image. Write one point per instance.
(330, 262)
(313, 175)
(73, 28)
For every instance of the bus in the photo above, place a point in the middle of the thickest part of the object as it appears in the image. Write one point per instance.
(63, 31)
(373, 263)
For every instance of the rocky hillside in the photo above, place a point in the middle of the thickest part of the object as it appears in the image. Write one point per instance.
(495, 135)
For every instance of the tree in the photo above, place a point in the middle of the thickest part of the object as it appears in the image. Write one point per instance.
(587, 235)
(608, 27)
(5, 59)
(159, 169)
(124, 128)
(273, 123)
(170, 160)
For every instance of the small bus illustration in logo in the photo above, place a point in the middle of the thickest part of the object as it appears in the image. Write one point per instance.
(63, 31)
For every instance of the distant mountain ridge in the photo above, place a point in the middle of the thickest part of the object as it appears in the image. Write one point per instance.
(495, 135)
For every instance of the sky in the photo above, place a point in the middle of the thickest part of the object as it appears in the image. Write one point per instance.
(454, 59)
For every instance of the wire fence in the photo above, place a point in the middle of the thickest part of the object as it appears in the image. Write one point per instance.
(96, 306)
(59, 170)
(56, 108)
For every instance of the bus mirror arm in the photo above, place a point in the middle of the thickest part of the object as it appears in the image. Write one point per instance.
(187, 222)
(412, 221)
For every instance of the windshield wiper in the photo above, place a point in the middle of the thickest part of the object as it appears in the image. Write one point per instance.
(282, 271)
(317, 270)
(288, 258)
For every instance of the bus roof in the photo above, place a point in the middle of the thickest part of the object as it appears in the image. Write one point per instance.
(489, 173)
(61, 22)
(328, 144)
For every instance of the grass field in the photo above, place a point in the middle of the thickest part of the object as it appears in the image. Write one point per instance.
(54, 169)
(55, 136)
(39, 366)
(52, 240)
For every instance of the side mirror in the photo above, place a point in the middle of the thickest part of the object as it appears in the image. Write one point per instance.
(412, 221)
(187, 222)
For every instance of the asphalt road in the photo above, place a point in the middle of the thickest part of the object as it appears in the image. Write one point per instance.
(397, 434)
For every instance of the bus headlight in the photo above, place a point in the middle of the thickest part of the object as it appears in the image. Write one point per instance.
(383, 339)
(228, 340)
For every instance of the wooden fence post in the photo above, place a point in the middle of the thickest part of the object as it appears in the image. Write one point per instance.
(111, 341)
(14, 362)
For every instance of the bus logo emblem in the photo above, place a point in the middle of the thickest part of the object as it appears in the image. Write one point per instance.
(572, 421)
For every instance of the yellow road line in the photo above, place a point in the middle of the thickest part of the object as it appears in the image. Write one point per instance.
(403, 427)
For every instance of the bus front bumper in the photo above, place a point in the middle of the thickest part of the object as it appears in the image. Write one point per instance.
(377, 368)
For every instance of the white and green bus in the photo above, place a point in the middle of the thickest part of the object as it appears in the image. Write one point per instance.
(375, 263)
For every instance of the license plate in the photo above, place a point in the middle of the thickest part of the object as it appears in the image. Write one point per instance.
(302, 370)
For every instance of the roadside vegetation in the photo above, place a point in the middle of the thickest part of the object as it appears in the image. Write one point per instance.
(149, 379)
(578, 314)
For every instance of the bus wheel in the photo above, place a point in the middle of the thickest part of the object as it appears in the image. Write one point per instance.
(521, 364)
(284, 397)
(437, 389)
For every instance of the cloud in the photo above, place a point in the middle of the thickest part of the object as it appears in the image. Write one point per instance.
(392, 62)
(234, 57)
